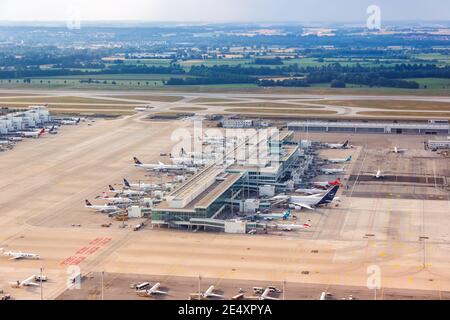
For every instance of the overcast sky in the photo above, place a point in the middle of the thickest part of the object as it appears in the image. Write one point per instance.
(222, 10)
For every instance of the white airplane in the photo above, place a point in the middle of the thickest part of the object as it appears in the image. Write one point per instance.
(28, 282)
(378, 175)
(153, 290)
(71, 122)
(339, 160)
(32, 134)
(127, 192)
(344, 145)
(265, 295)
(332, 171)
(115, 200)
(159, 167)
(141, 186)
(310, 191)
(308, 202)
(275, 216)
(398, 150)
(209, 294)
(14, 139)
(104, 208)
(325, 184)
(19, 255)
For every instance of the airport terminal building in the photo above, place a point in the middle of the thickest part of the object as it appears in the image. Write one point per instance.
(23, 120)
(208, 193)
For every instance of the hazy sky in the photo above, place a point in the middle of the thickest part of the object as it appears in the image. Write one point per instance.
(222, 10)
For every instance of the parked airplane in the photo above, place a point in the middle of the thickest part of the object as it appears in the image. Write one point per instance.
(321, 184)
(378, 175)
(208, 294)
(308, 202)
(190, 161)
(71, 122)
(337, 145)
(265, 295)
(32, 134)
(104, 208)
(153, 290)
(274, 216)
(292, 227)
(141, 186)
(332, 171)
(19, 255)
(28, 282)
(310, 191)
(339, 160)
(127, 192)
(115, 200)
(398, 150)
(159, 167)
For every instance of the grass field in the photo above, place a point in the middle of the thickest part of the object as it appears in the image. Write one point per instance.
(193, 109)
(68, 99)
(150, 98)
(391, 105)
(272, 105)
(432, 83)
(212, 100)
(281, 111)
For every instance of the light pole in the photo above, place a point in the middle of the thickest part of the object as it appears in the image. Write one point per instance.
(103, 273)
(40, 284)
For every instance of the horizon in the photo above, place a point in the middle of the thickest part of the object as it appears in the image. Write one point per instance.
(233, 11)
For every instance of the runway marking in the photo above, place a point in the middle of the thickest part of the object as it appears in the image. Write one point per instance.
(83, 253)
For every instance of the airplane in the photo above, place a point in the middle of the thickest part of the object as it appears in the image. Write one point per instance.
(153, 290)
(116, 199)
(209, 294)
(72, 122)
(159, 167)
(14, 139)
(339, 160)
(265, 295)
(53, 130)
(28, 282)
(32, 134)
(310, 191)
(332, 171)
(378, 175)
(337, 145)
(398, 150)
(308, 202)
(320, 184)
(141, 186)
(190, 161)
(292, 227)
(19, 255)
(127, 192)
(104, 208)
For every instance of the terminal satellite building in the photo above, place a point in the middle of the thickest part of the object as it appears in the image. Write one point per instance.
(22, 120)
(207, 194)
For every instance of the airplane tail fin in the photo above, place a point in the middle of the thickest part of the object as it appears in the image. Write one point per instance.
(287, 214)
(111, 188)
(88, 204)
(329, 196)
(136, 161)
(126, 183)
(346, 144)
(160, 163)
(42, 132)
(349, 158)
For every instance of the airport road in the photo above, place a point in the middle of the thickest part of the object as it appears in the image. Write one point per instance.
(44, 182)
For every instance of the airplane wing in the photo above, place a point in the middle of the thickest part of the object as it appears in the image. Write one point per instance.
(303, 205)
(16, 257)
